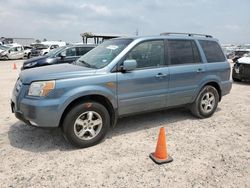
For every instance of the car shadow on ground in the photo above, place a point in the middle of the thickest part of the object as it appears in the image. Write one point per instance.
(44, 140)
(243, 83)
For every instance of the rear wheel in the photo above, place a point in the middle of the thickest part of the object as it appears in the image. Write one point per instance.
(86, 124)
(206, 102)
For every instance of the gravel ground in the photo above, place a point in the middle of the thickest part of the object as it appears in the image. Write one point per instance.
(212, 152)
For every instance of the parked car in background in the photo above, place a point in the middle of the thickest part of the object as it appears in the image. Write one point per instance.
(123, 77)
(3, 48)
(13, 51)
(45, 47)
(27, 51)
(241, 69)
(65, 54)
(236, 54)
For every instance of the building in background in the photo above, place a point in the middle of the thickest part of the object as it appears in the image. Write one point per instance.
(97, 38)
(22, 41)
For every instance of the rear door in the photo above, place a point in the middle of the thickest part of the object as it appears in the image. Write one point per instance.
(186, 71)
(146, 87)
(217, 65)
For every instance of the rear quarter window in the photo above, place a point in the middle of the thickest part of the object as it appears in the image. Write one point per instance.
(212, 50)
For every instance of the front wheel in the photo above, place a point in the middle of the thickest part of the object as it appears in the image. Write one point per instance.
(206, 102)
(86, 124)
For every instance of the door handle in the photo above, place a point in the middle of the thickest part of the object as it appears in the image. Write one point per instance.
(200, 70)
(160, 75)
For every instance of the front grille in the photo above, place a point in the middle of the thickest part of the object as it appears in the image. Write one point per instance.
(35, 52)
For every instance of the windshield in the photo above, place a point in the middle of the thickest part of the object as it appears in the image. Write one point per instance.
(103, 54)
(55, 51)
(4, 47)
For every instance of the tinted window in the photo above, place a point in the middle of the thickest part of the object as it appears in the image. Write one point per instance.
(54, 46)
(212, 51)
(13, 49)
(83, 50)
(71, 52)
(148, 54)
(183, 52)
(19, 49)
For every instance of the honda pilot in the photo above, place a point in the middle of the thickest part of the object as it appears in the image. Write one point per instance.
(123, 77)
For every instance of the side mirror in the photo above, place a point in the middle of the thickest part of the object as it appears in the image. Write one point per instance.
(129, 65)
(62, 55)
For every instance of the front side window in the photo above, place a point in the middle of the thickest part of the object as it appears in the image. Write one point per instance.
(148, 54)
(71, 52)
(103, 54)
(212, 51)
(183, 52)
(83, 50)
(19, 49)
(13, 49)
(54, 46)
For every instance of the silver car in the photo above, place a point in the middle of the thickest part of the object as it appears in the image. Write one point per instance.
(12, 52)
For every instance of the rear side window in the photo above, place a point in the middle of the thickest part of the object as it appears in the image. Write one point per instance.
(212, 51)
(83, 50)
(183, 52)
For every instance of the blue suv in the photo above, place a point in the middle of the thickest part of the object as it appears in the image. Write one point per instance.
(122, 77)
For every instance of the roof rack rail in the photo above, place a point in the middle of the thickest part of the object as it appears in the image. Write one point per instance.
(188, 34)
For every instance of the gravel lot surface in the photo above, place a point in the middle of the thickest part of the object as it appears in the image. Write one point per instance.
(212, 152)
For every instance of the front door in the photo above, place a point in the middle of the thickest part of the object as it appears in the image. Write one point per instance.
(70, 55)
(146, 87)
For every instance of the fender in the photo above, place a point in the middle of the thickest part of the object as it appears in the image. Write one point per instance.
(205, 81)
(82, 91)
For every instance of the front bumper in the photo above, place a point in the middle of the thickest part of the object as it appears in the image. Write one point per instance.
(35, 111)
(226, 87)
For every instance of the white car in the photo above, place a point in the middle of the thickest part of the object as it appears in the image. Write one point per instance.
(13, 51)
(43, 48)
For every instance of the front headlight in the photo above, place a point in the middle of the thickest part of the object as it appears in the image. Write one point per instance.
(30, 64)
(42, 88)
(3, 52)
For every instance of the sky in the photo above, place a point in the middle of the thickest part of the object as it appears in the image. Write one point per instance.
(227, 20)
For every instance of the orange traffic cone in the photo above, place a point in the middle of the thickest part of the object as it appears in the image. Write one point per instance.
(14, 66)
(160, 155)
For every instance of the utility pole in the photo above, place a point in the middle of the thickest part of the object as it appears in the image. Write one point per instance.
(136, 32)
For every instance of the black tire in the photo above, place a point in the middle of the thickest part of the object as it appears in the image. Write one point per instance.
(28, 56)
(198, 107)
(82, 110)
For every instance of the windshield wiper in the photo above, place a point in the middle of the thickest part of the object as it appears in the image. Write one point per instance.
(86, 64)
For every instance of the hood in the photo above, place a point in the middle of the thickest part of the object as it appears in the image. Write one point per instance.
(55, 72)
(38, 58)
(245, 60)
